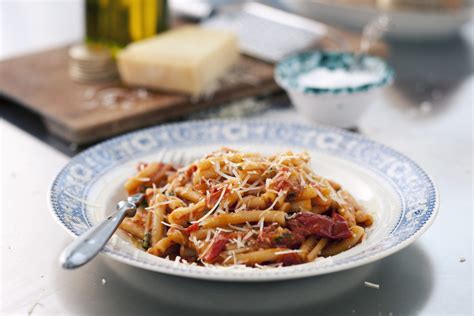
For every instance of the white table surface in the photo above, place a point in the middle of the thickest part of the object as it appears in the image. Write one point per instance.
(426, 278)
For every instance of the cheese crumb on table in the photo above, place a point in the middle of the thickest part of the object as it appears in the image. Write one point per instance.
(372, 285)
(185, 60)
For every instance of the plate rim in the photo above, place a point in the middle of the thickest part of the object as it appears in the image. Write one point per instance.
(232, 277)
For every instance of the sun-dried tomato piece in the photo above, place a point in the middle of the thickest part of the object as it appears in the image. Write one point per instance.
(306, 224)
(218, 245)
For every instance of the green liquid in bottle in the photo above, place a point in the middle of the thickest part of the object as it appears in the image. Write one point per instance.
(116, 23)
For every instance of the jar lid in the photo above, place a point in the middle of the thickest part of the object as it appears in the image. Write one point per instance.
(89, 63)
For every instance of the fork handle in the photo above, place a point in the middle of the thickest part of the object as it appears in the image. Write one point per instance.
(89, 244)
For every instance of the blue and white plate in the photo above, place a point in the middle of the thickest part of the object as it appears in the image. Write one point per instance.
(400, 195)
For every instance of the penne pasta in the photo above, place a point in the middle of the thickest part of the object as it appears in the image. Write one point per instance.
(301, 205)
(163, 244)
(259, 256)
(285, 207)
(182, 215)
(243, 217)
(364, 219)
(307, 246)
(201, 233)
(133, 183)
(243, 208)
(133, 228)
(255, 202)
(157, 217)
(188, 194)
(348, 215)
(208, 174)
(316, 251)
(153, 173)
(147, 231)
(349, 199)
(204, 164)
(343, 245)
(308, 193)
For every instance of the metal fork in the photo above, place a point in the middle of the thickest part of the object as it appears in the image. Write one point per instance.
(89, 244)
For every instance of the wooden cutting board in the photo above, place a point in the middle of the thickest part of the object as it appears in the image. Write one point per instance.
(84, 113)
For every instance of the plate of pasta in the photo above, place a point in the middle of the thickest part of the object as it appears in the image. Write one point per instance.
(248, 200)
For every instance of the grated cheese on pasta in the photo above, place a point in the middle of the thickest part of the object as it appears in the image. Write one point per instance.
(229, 233)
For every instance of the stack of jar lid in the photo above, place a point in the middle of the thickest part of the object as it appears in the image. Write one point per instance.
(89, 63)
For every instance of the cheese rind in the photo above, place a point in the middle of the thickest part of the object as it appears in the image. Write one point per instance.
(184, 60)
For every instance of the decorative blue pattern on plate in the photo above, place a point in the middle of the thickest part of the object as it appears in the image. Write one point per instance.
(417, 192)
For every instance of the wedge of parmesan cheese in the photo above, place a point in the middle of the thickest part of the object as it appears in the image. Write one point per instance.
(184, 60)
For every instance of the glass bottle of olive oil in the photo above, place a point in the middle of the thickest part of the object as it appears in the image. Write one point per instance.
(115, 23)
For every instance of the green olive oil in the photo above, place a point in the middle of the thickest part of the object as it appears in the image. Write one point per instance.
(116, 23)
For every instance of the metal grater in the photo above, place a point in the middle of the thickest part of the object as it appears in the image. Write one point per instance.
(268, 33)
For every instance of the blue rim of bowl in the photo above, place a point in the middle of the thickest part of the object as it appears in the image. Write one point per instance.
(288, 70)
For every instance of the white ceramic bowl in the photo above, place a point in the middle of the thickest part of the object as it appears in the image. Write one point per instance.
(341, 106)
(401, 196)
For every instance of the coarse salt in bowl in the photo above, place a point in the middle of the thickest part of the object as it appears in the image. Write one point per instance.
(334, 88)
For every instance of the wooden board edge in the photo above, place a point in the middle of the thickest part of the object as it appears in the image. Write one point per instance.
(144, 120)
